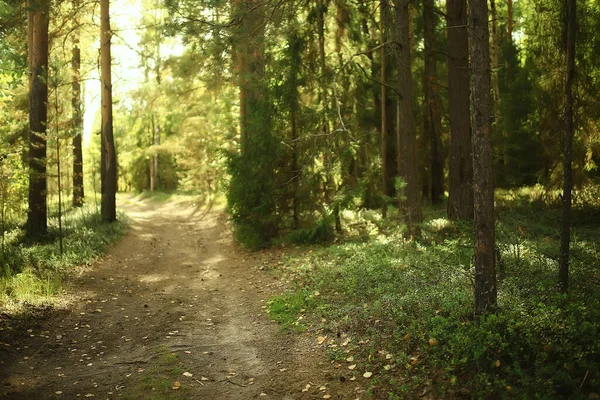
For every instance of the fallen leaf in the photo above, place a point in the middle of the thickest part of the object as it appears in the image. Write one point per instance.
(327, 396)
(351, 367)
(188, 374)
(368, 374)
(176, 385)
(387, 367)
(204, 378)
(306, 388)
(433, 342)
(350, 359)
(388, 356)
(321, 339)
(497, 363)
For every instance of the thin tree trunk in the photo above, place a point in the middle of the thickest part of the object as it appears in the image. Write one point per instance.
(109, 156)
(407, 162)
(460, 201)
(39, 12)
(483, 187)
(432, 120)
(565, 232)
(77, 120)
(383, 10)
(495, 50)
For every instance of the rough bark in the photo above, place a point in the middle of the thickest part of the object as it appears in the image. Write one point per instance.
(460, 201)
(565, 232)
(38, 17)
(483, 187)
(77, 120)
(108, 153)
(407, 162)
(432, 121)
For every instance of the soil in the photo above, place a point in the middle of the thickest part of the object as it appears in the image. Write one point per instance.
(176, 310)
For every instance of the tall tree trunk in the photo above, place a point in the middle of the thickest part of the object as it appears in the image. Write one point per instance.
(432, 120)
(483, 187)
(460, 201)
(407, 162)
(39, 12)
(77, 118)
(109, 156)
(495, 50)
(565, 232)
(383, 14)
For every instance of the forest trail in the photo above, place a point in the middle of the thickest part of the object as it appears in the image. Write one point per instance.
(176, 296)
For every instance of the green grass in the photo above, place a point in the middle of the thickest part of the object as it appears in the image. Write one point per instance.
(408, 308)
(32, 273)
(155, 381)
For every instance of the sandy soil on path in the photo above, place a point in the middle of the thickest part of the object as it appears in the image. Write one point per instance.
(174, 311)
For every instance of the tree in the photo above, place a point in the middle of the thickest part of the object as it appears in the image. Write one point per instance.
(38, 16)
(77, 117)
(565, 232)
(432, 117)
(483, 187)
(108, 151)
(407, 163)
(460, 173)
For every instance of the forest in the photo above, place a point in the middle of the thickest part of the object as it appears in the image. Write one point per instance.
(426, 174)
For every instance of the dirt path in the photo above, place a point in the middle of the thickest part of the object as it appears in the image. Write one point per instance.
(175, 297)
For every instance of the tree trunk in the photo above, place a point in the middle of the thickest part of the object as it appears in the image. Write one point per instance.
(495, 50)
(407, 162)
(565, 232)
(460, 201)
(383, 12)
(432, 120)
(77, 119)
(39, 13)
(483, 187)
(109, 156)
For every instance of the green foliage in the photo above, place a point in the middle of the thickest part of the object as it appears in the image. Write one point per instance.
(415, 301)
(323, 232)
(253, 190)
(32, 272)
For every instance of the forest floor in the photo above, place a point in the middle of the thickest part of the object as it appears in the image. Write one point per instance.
(176, 310)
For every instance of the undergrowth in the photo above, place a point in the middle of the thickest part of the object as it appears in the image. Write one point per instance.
(31, 273)
(404, 310)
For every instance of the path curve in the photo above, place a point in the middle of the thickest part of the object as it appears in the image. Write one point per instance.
(175, 296)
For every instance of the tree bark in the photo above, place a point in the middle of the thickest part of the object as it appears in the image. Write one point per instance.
(77, 119)
(565, 232)
(407, 162)
(460, 201)
(109, 156)
(483, 187)
(39, 12)
(383, 12)
(432, 120)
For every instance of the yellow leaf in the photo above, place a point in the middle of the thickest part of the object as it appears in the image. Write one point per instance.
(351, 366)
(497, 364)
(321, 339)
(433, 342)
(176, 385)
(368, 374)
(350, 359)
